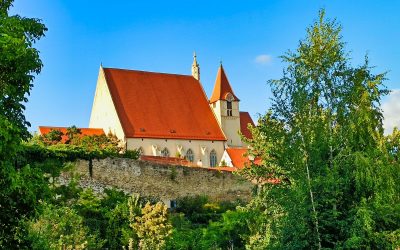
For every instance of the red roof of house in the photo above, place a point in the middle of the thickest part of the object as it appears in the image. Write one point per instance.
(222, 87)
(245, 119)
(84, 131)
(238, 158)
(158, 105)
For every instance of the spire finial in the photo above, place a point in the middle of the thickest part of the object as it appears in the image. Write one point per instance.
(194, 53)
(220, 61)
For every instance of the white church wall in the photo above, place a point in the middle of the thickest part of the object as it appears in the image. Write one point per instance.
(104, 114)
(216, 108)
(200, 148)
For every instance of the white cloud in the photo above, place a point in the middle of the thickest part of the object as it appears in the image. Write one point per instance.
(391, 111)
(263, 59)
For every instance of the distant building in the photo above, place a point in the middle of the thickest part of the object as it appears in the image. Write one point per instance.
(84, 131)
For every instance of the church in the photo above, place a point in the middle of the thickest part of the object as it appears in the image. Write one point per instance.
(170, 115)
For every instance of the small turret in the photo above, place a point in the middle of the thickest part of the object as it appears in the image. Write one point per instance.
(195, 68)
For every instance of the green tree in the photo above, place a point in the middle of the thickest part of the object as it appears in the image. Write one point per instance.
(60, 228)
(323, 141)
(19, 62)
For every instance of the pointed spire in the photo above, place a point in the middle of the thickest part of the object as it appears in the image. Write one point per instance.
(195, 67)
(222, 87)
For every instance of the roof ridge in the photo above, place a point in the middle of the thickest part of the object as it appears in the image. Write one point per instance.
(66, 127)
(151, 72)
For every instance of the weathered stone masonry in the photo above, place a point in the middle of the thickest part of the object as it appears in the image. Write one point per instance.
(164, 181)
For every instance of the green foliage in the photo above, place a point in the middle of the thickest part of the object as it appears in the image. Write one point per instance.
(201, 224)
(19, 62)
(195, 210)
(53, 137)
(184, 234)
(228, 233)
(152, 227)
(60, 228)
(70, 152)
(323, 140)
(73, 133)
(118, 231)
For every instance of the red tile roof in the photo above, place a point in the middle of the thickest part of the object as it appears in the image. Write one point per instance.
(245, 119)
(222, 87)
(84, 131)
(158, 105)
(238, 158)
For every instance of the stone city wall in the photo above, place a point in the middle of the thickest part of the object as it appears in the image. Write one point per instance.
(166, 182)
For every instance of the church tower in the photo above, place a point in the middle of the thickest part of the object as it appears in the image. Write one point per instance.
(225, 105)
(195, 68)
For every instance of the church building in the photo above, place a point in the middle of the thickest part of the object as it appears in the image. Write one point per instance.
(169, 114)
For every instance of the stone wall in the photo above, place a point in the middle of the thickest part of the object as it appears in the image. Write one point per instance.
(163, 181)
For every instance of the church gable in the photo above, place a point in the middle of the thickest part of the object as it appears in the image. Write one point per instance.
(164, 106)
(104, 114)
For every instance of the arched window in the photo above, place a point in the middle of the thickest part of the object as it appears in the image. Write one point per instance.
(189, 155)
(165, 152)
(213, 158)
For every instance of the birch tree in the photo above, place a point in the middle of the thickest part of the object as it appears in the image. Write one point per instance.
(323, 141)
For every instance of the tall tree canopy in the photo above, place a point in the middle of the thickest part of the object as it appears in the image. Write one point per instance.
(19, 62)
(323, 139)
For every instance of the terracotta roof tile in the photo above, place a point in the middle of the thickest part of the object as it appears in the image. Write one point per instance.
(84, 131)
(222, 87)
(158, 105)
(245, 119)
(238, 158)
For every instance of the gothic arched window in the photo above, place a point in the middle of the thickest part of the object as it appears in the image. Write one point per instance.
(189, 155)
(165, 152)
(213, 158)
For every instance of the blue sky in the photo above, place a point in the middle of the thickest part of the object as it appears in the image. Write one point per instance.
(160, 36)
